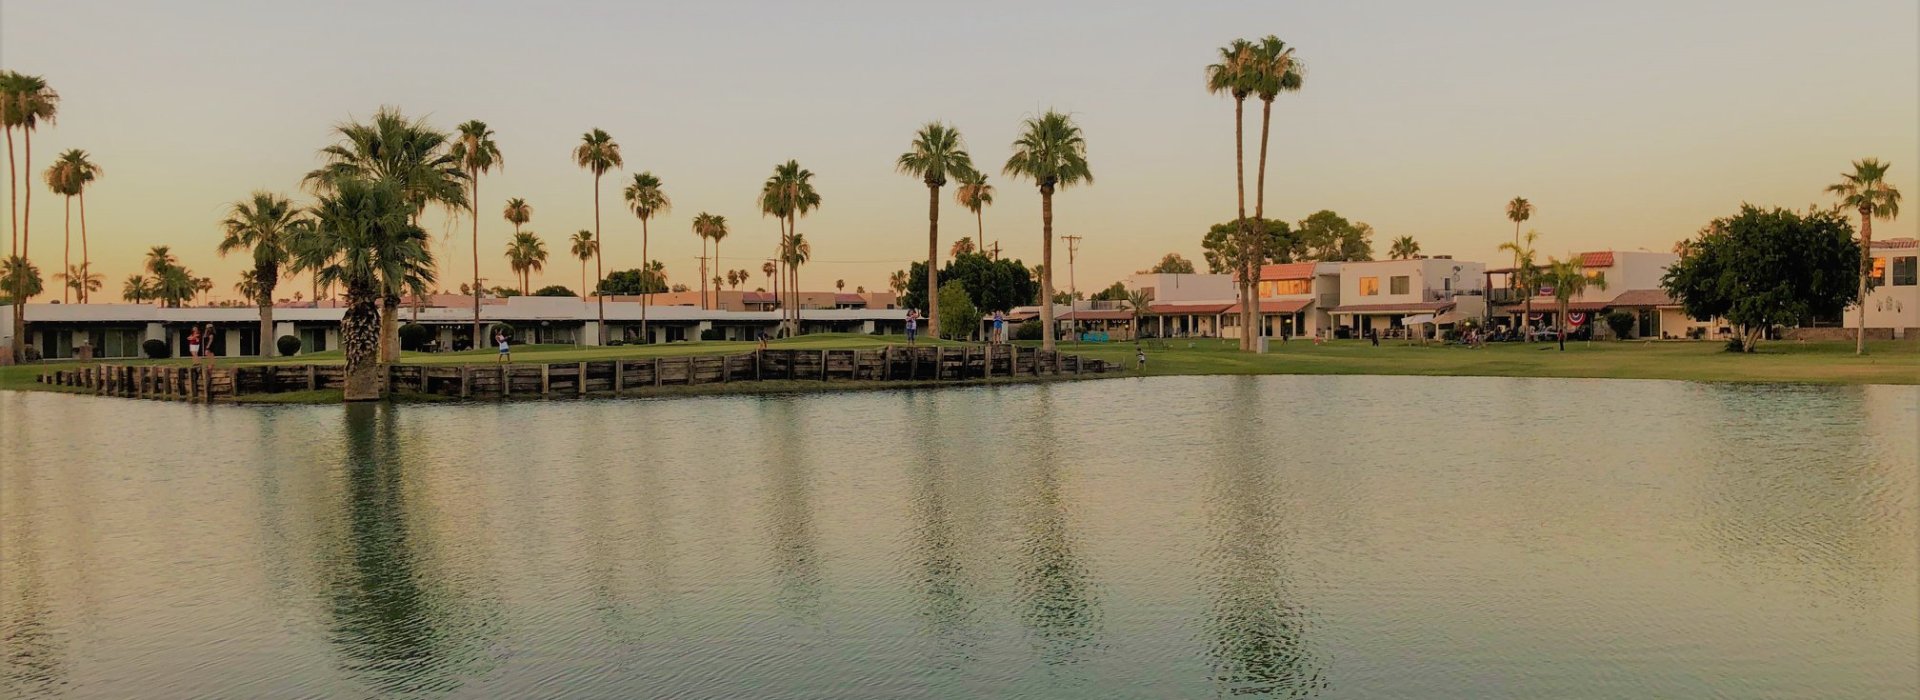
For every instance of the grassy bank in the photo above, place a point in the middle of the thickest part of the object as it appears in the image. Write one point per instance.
(1817, 363)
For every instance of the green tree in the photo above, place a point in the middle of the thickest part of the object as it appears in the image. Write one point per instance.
(1569, 279)
(976, 195)
(137, 289)
(83, 282)
(1276, 243)
(62, 180)
(1764, 268)
(962, 246)
(597, 153)
(1526, 278)
(418, 160)
(637, 281)
(716, 231)
(1116, 292)
(1052, 152)
(266, 226)
(21, 279)
(553, 290)
(365, 240)
(958, 315)
(937, 152)
(584, 248)
(991, 284)
(646, 197)
(477, 154)
(172, 284)
(1866, 190)
(898, 282)
(1174, 264)
(25, 102)
(1404, 248)
(788, 195)
(526, 254)
(1329, 237)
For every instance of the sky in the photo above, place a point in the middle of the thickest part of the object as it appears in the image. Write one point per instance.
(1627, 124)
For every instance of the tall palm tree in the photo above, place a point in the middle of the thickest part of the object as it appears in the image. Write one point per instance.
(1569, 279)
(937, 152)
(414, 156)
(1526, 277)
(976, 195)
(136, 289)
(584, 248)
(646, 199)
(478, 155)
(768, 268)
(1867, 191)
(518, 213)
(1052, 152)
(81, 281)
(1518, 211)
(897, 282)
(365, 239)
(796, 252)
(709, 227)
(597, 153)
(1236, 75)
(1274, 70)
(526, 254)
(964, 246)
(25, 102)
(1404, 247)
(62, 180)
(21, 279)
(788, 195)
(248, 286)
(86, 172)
(265, 225)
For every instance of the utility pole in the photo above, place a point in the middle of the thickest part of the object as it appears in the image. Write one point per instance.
(996, 250)
(1073, 247)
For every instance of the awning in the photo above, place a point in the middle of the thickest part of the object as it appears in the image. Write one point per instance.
(1417, 318)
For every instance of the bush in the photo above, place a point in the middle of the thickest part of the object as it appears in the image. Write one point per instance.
(413, 336)
(1621, 323)
(616, 342)
(156, 349)
(288, 345)
(1027, 330)
(713, 334)
(958, 317)
(554, 290)
(33, 354)
(1734, 344)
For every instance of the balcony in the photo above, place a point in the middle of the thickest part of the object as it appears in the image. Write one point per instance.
(1329, 300)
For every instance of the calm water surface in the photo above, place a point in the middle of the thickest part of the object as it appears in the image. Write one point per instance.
(1358, 537)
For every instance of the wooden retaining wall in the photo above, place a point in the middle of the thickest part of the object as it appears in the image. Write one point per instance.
(561, 379)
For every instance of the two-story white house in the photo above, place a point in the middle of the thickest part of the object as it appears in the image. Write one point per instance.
(1295, 298)
(1893, 304)
(1381, 295)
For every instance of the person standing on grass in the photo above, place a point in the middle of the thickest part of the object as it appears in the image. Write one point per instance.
(206, 344)
(913, 324)
(193, 345)
(506, 350)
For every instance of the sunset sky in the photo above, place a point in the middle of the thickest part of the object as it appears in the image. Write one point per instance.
(1628, 124)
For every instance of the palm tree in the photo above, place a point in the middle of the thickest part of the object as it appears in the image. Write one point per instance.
(1404, 247)
(788, 195)
(1236, 75)
(1867, 191)
(1274, 70)
(1052, 152)
(768, 268)
(478, 155)
(418, 159)
(709, 226)
(1525, 278)
(937, 152)
(796, 252)
(526, 253)
(976, 195)
(62, 180)
(964, 246)
(25, 101)
(365, 239)
(266, 225)
(839, 285)
(85, 171)
(1518, 211)
(584, 248)
(136, 289)
(733, 279)
(598, 154)
(21, 279)
(81, 281)
(897, 282)
(646, 199)
(249, 285)
(1569, 279)
(518, 212)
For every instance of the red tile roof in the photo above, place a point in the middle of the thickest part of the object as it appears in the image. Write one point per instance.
(1407, 308)
(1097, 315)
(1276, 306)
(1600, 259)
(844, 298)
(1897, 243)
(1182, 309)
(1288, 271)
(756, 297)
(1645, 297)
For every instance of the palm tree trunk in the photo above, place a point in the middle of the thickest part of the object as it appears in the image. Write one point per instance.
(1259, 217)
(646, 282)
(1046, 277)
(475, 210)
(268, 277)
(13, 193)
(359, 341)
(390, 328)
(1866, 268)
(1561, 321)
(980, 231)
(703, 271)
(86, 260)
(933, 260)
(601, 300)
(66, 254)
(716, 268)
(1240, 185)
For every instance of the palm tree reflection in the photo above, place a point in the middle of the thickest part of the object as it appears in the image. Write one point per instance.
(796, 545)
(1061, 602)
(942, 582)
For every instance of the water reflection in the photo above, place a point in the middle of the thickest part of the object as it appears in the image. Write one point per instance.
(1060, 604)
(31, 645)
(941, 580)
(1257, 627)
(792, 532)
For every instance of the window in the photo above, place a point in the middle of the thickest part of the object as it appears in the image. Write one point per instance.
(1274, 288)
(1399, 284)
(1369, 286)
(1879, 273)
(1905, 271)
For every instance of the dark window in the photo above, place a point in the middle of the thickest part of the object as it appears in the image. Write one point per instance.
(1904, 271)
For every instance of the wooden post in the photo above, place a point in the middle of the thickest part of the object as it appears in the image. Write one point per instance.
(656, 371)
(690, 375)
(313, 377)
(823, 365)
(913, 363)
(506, 380)
(726, 367)
(756, 364)
(546, 380)
(466, 381)
(580, 382)
(619, 377)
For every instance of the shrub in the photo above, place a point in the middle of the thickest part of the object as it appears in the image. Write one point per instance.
(1027, 330)
(1736, 344)
(958, 317)
(413, 336)
(616, 342)
(499, 328)
(713, 334)
(33, 354)
(156, 349)
(288, 345)
(1621, 323)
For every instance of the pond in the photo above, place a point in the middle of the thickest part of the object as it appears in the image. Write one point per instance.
(1328, 537)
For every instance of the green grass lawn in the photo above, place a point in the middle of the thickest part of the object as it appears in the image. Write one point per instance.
(1819, 363)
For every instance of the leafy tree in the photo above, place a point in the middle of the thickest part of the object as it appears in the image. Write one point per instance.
(1329, 237)
(518, 213)
(937, 152)
(636, 282)
(20, 279)
(1764, 268)
(959, 317)
(1238, 75)
(504, 292)
(1621, 323)
(1277, 244)
(553, 290)
(708, 227)
(1173, 263)
(25, 102)
(1866, 190)
(137, 289)
(976, 195)
(787, 195)
(1052, 152)
(991, 284)
(1117, 292)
